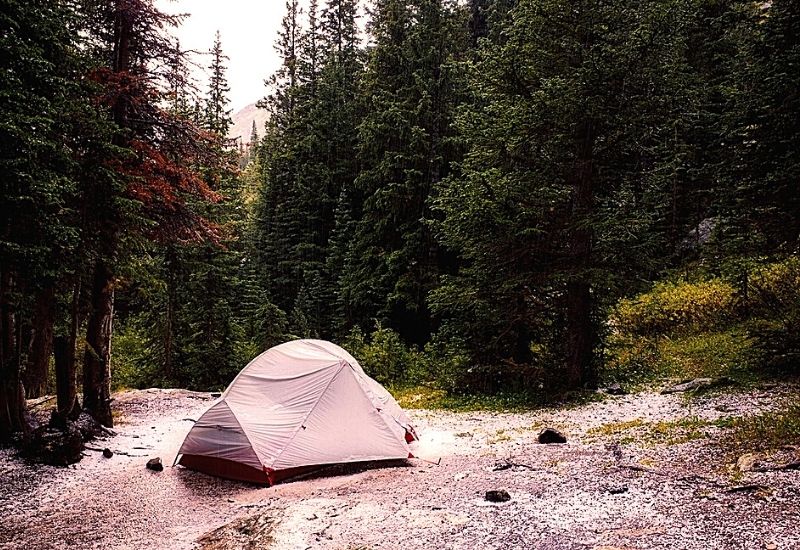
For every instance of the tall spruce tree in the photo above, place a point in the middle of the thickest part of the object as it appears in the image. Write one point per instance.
(556, 203)
(275, 215)
(403, 153)
(765, 211)
(141, 190)
(44, 110)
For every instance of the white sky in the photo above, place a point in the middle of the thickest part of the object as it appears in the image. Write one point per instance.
(248, 29)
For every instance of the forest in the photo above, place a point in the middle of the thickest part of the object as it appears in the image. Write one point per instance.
(484, 197)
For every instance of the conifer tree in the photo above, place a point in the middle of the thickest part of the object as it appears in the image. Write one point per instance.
(44, 110)
(403, 151)
(144, 194)
(555, 205)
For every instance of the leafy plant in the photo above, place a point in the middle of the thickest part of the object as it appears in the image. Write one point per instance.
(671, 307)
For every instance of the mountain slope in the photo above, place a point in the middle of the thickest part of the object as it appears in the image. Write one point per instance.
(243, 122)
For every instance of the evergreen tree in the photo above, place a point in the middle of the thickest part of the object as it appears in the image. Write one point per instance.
(276, 218)
(764, 213)
(218, 115)
(141, 190)
(556, 205)
(43, 112)
(404, 150)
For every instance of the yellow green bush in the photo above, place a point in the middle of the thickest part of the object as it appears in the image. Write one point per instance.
(773, 307)
(676, 307)
(708, 328)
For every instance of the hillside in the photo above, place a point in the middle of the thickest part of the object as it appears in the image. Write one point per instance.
(243, 122)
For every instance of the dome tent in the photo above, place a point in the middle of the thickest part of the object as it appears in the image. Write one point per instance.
(302, 403)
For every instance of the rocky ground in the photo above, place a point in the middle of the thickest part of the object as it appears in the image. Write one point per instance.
(638, 471)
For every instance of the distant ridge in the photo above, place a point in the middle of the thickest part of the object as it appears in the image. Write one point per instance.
(243, 123)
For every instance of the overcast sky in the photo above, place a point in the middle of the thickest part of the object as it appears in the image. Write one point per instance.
(248, 29)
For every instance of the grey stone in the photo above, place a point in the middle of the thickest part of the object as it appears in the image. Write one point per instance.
(551, 435)
(615, 389)
(155, 464)
(500, 495)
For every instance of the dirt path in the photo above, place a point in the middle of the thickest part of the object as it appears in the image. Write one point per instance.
(638, 472)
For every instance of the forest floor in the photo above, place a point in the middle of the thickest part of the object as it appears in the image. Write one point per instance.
(638, 471)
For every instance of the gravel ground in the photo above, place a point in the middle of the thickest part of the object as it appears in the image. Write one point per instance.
(605, 489)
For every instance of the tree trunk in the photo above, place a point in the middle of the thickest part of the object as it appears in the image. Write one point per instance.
(12, 396)
(41, 344)
(97, 358)
(66, 390)
(580, 329)
(68, 406)
(172, 300)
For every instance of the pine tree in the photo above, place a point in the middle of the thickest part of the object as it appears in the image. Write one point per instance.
(44, 110)
(218, 115)
(275, 213)
(140, 190)
(403, 151)
(763, 214)
(557, 203)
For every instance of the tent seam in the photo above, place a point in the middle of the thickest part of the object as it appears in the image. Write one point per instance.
(246, 435)
(380, 411)
(301, 425)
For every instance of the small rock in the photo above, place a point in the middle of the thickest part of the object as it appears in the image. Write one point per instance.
(107, 453)
(771, 546)
(748, 461)
(155, 464)
(551, 435)
(615, 389)
(618, 490)
(500, 495)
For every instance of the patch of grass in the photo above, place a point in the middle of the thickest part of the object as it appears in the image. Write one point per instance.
(767, 431)
(425, 397)
(616, 428)
(674, 432)
(500, 435)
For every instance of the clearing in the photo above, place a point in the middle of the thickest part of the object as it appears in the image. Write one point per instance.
(638, 471)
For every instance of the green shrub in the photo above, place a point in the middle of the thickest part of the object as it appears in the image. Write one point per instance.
(445, 360)
(384, 356)
(677, 307)
(709, 328)
(129, 359)
(707, 354)
(773, 301)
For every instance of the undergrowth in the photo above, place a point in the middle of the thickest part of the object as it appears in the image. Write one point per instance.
(743, 327)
